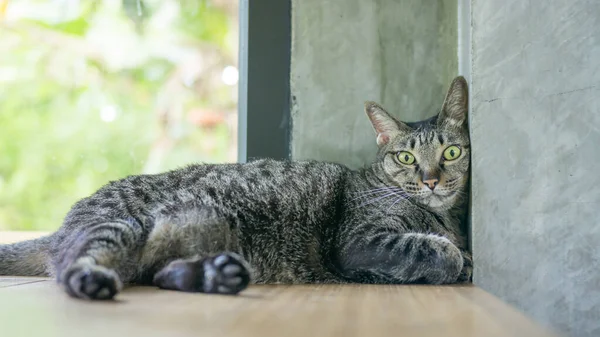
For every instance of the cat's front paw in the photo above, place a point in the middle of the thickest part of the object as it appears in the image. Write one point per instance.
(466, 274)
(91, 282)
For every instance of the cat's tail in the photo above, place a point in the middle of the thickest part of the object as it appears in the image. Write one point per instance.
(27, 258)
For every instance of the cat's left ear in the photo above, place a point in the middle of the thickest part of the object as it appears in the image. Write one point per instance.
(386, 126)
(456, 105)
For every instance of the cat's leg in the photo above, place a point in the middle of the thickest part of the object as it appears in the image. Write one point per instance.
(466, 274)
(191, 249)
(401, 258)
(95, 263)
(225, 273)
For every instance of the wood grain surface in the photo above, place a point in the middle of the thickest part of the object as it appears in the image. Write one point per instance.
(38, 307)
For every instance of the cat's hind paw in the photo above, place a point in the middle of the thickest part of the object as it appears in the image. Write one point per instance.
(225, 273)
(91, 282)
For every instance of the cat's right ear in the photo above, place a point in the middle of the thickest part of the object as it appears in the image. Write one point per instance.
(455, 107)
(385, 125)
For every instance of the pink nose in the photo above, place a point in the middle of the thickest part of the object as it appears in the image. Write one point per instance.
(431, 183)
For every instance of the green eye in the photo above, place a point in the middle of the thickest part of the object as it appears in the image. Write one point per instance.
(406, 158)
(451, 153)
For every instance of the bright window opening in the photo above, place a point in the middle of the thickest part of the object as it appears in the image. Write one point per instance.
(93, 91)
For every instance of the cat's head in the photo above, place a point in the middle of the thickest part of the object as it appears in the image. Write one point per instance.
(429, 160)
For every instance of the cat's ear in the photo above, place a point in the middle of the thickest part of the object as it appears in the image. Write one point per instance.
(386, 126)
(455, 108)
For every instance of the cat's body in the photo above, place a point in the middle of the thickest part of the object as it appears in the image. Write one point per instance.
(214, 228)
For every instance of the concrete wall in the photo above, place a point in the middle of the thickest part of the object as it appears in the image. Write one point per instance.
(535, 126)
(400, 53)
(535, 130)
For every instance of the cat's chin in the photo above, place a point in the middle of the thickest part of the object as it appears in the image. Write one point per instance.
(438, 201)
(435, 202)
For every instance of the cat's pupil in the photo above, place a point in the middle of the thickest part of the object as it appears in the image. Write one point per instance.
(405, 157)
(451, 153)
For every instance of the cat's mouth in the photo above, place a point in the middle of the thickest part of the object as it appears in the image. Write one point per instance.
(437, 198)
(439, 193)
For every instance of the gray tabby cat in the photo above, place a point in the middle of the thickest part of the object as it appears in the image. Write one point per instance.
(216, 228)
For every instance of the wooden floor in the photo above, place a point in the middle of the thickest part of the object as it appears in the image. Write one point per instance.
(37, 307)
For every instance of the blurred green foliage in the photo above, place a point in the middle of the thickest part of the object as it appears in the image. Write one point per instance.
(96, 92)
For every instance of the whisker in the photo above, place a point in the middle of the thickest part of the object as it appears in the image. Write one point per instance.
(397, 200)
(375, 200)
(402, 193)
(363, 194)
(461, 193)
(366, 195)
(376, 189)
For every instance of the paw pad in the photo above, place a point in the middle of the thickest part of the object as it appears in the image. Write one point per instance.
(91, 282)
(225, 274)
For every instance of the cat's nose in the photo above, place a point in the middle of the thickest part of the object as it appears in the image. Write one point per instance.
(431, 183)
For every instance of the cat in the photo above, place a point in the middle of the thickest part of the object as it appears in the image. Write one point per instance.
(217, 228)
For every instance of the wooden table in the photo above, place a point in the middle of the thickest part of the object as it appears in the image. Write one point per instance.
(37, 307)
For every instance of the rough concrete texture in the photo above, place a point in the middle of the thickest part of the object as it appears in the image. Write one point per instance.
(399, 53)
(535, 126)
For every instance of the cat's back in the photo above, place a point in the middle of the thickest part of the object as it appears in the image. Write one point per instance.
(230, 186)
(256, 175)
(260, 189)
(265, 175)
(285, 185)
